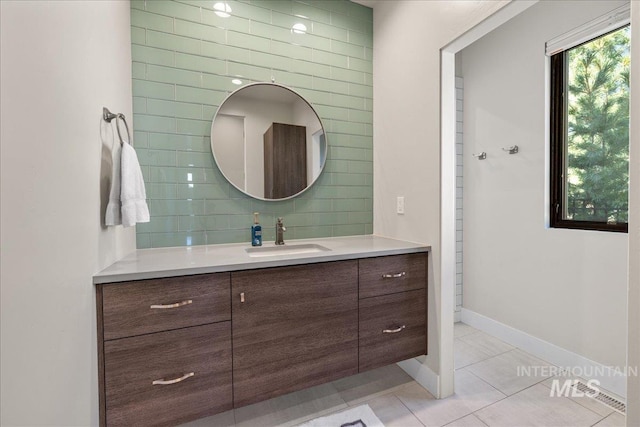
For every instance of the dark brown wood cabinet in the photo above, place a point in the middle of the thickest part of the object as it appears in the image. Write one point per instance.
(293, 328)
(393, 309)
(390, 274)
(176, 349)
(392, 328)
(175, 332)
(170, 377)
(147, 306)
(285, 160)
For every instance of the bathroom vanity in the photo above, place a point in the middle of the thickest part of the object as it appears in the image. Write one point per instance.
(185, 333)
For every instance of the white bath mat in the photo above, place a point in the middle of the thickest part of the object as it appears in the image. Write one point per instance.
(360, 416)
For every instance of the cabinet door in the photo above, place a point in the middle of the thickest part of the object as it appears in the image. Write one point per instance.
(297, 327)
(167, 378)
(392, 328)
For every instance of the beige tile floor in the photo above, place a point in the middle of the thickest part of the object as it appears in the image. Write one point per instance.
(488, 393)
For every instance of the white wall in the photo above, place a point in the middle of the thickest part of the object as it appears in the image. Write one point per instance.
(567, 287)
(633, 383)
(61, 62)
(408, 36)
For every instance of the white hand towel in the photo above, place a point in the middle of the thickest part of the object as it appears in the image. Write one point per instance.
(132, 192)
(113, 215)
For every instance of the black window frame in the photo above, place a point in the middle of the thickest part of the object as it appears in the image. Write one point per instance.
(558, 144)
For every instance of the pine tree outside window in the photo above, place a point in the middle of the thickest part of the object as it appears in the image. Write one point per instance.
(590, 134)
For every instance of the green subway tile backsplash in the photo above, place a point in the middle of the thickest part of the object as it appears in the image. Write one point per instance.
(159, 224)
(172, 41)
(152, 55)
(283, 6)
(199, 31)
(191, 159)
(313, 13)
(174, 9)
(158, 73)
(228, 206)
(194, 127)
(162, 191)
(155, 90)
(248, 41)
(271, 61)
(288, 50)
(197, 95)
(163, 207)
(295, 80)
(184, 57)
(200, 63)
(153, 21)
(138, 35)
(137, 4)
(313, 205)
(138, 70)
(164, 141)
(202, 191)
(178, 239)
(361, 38)
(174, 109)
(287, 20)
(193, 223)
(139, 106)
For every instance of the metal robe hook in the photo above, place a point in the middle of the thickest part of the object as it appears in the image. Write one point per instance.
(480, 156)
(512, 150)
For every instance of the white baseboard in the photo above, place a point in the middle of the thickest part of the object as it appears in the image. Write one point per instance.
(547, 351)
(457, 316)
(422, 374)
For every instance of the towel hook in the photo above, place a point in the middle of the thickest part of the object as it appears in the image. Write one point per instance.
(108, 116)
(480, 156)
(512, 150)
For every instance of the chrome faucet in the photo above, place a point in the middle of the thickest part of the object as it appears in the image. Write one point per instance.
(280, 229)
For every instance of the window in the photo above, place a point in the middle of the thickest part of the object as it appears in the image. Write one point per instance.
(590, 134)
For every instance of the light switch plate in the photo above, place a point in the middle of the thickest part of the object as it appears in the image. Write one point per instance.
(400, 205)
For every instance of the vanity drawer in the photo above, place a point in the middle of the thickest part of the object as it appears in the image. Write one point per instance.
(392, 328)
(391, 274)
(133, 364)
(146, 306)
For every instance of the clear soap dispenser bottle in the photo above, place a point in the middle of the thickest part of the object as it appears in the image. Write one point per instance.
(256, 231)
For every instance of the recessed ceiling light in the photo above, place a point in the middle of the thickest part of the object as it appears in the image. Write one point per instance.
(222, 9)
(299, 28)
(236, 81)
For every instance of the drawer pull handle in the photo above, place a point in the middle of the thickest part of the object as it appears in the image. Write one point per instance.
(393, 331)
(174, 381)
(394, 276)
(241, 296)
(176, 305)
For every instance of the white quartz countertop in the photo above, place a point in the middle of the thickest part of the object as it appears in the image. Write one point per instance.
(182, 261)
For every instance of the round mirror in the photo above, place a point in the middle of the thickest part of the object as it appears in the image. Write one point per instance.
(268, 141)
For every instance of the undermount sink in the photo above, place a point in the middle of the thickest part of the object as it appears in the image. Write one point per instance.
(285, 249)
